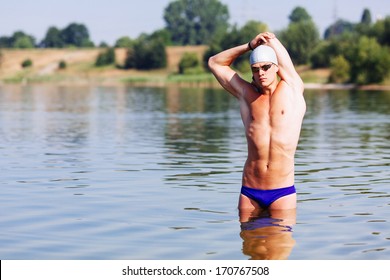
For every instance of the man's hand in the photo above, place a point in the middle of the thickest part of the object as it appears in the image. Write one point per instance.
(261, 38)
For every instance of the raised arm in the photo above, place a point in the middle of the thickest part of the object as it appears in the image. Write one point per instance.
(220, 66)
(287, 70)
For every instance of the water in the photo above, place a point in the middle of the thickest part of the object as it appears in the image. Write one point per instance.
(144, 173)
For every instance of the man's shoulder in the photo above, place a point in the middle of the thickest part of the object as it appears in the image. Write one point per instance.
(295, 86)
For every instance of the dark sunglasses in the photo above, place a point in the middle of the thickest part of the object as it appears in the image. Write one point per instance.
(264, 68)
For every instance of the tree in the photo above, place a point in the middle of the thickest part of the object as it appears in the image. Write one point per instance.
(366, 17)
(364, 27)
(106, 58)
(381, 31)
(188, 62)
(299, 14)
(340, 70)
(301, 36)
(76, 35)
(369, 61)
(338, 28)
(19, 40)
(196, 22)
(52, 39)
(124, 42)
(146, 54)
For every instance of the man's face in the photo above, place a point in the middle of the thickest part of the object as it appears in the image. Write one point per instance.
(264, 73)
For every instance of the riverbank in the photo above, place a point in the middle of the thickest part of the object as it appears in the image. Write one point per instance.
(80, 70)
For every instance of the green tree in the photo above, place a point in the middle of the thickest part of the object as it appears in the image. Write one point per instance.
(188, 63)
(106, 58)
(338, 28)
(364, 27)
(299, 14)
(146, 54)
(5, 42)
(76, 35)
(124, 42)
(340, 70)
(162, 34)
(381, 31)
(196, 22)
(369, 61)
(366, 17)
(52, 38)
(21, 40)
(301, 36)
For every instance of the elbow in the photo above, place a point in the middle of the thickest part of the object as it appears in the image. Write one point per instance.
(211, 63)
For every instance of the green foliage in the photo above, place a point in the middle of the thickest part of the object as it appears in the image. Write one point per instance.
(299, 14)
(163, 35)
(300, 39)
(62, 65)
(338, 28)
(74, 35)
(52, 39)
(146, 54)
(340, 70)
(18, 40)
(188, 63)
(366, 17)
(106, 58)
(124, 42)
(196, 22)
(381, 31)
(369, 61)
(27, 63)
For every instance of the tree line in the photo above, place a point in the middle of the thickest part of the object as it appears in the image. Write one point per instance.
(355, 52)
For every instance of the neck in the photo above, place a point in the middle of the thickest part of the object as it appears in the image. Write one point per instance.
(267, 90)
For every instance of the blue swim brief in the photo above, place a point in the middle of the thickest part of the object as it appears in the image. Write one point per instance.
(266, 197)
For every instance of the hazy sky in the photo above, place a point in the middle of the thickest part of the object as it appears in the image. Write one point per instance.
(109, 20)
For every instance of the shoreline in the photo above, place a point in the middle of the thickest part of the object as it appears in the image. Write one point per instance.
(181, 83)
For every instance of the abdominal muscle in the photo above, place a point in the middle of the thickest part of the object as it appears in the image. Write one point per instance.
(268, 167)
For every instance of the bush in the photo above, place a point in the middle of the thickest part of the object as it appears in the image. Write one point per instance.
(369, 61)
(187, 62)
(27, 63)
(146, 54)
(62, 64)
(340, 69)
(106, 58)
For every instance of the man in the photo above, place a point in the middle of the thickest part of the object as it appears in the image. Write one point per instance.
(272, 112)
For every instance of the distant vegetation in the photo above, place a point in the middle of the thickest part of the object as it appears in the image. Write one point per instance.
(354, 52)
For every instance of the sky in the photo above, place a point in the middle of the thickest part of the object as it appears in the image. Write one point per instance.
(109, 20)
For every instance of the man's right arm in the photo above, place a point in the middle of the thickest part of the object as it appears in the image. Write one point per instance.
(219, 65)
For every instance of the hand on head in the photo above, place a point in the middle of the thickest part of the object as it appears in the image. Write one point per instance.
(262, 38)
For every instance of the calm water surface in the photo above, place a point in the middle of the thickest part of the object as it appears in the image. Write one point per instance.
(143, 173)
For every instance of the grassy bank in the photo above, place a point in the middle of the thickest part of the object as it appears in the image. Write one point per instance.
(80, 69)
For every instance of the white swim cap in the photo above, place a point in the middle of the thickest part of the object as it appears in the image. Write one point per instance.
(263, 54)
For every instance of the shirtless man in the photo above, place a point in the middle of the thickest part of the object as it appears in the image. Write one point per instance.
(272, 112)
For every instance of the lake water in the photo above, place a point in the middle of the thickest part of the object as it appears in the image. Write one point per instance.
(146, 173)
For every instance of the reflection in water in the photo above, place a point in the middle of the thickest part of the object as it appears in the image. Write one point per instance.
(268, 235)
